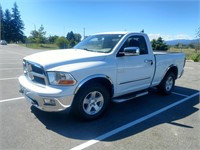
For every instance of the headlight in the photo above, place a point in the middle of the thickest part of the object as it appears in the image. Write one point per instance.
(60, 78)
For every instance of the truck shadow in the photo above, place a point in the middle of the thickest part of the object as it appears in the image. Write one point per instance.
(120, 114)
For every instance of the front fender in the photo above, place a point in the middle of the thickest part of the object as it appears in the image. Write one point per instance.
(93, 77)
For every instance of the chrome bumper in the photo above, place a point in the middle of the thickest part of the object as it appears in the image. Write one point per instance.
(45, 98)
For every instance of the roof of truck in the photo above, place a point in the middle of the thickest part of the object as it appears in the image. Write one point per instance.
(119, 32)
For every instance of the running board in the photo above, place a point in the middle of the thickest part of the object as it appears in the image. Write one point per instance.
(128, 97)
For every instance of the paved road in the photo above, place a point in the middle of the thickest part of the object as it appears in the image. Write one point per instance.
(149, 122)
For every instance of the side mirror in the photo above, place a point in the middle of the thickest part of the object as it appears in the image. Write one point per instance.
(131, 51)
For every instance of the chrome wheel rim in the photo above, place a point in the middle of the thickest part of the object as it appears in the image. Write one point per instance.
(93, 103)
(169, 83)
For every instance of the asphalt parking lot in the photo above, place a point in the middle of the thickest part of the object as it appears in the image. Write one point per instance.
(149, 122)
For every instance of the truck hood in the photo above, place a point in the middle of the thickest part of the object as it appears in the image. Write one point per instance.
(55, 58)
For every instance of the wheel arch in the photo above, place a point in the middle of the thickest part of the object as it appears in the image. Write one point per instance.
(98, 78)
(173, 69)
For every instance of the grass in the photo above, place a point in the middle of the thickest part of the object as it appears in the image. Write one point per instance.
(191, 54)
(41, 46)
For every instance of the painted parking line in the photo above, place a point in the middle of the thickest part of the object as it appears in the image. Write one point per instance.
(11, 99)
(180, 94)
(8, 78)
(10, 63)
(11, 69)
(131, 124)
(191, 68)
(16, 53)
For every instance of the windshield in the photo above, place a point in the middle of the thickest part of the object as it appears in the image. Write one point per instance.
(103, 43)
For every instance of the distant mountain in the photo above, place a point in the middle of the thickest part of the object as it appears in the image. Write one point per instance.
(182, 41)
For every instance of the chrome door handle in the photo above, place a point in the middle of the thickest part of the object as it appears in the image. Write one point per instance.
(149, 61)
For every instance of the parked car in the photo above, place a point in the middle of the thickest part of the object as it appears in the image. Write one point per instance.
(3, 42)
(102, 68)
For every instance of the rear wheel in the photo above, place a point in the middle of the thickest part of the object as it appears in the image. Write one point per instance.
(91, 101)
(167, 84)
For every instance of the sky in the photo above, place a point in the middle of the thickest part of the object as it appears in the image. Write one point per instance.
(170, 19)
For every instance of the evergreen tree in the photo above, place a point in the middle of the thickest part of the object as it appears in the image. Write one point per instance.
(2, 23)
(7, 29)
(17, 25)
(70, 36)
(159, 44)
(153, 44)
(73, 38)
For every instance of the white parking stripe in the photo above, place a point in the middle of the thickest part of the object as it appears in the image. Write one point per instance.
(131, 124)
(180, 94)
(8, 78)
(9, 52)
(10, 63)
(189, 68)
(11, 69)
(11, 99)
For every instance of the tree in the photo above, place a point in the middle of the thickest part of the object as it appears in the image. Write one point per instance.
(41, 34)
(7, 30)
(17, 25)
(62, 42)
(77, 37)
(159, 44)
(153, 43)
(191, 45)
(70, 36)
(73, 38)
(52, 39)
(2, 23)
(38, 36)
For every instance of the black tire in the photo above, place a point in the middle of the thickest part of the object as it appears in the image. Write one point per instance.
(91, 101)
(167, 84)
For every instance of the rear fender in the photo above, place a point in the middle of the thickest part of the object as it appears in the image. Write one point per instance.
(172, 68)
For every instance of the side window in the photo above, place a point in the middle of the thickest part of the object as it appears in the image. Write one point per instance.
(136, 41)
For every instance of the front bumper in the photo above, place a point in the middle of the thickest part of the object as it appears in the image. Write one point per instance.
(46, 98)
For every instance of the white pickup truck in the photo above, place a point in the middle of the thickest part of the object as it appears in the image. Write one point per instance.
(104, 67)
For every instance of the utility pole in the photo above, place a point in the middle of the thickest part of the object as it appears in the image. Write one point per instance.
(83, 33)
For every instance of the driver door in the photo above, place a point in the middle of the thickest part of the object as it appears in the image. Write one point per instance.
(134, 73)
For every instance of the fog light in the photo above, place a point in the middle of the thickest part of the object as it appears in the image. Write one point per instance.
(51, 102)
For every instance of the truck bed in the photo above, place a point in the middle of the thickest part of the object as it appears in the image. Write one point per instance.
(165, 59)
(164, 52)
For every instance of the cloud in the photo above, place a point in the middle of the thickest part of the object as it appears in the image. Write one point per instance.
(170, 37)
(183, 36)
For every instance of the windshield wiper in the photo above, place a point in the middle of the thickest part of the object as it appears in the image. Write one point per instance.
(93, 50)
(88, 49)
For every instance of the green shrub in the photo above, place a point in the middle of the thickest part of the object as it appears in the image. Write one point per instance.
(62, 42)
(196, 57)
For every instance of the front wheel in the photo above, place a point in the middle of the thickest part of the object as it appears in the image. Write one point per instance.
(167, 84)
(91, 101)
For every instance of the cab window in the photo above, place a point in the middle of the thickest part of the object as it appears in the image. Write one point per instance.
(136, 41)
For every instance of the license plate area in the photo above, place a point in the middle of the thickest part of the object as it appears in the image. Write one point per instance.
(28, 95)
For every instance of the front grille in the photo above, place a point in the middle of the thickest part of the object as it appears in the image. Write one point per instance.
(37, 69)
(34, 72)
